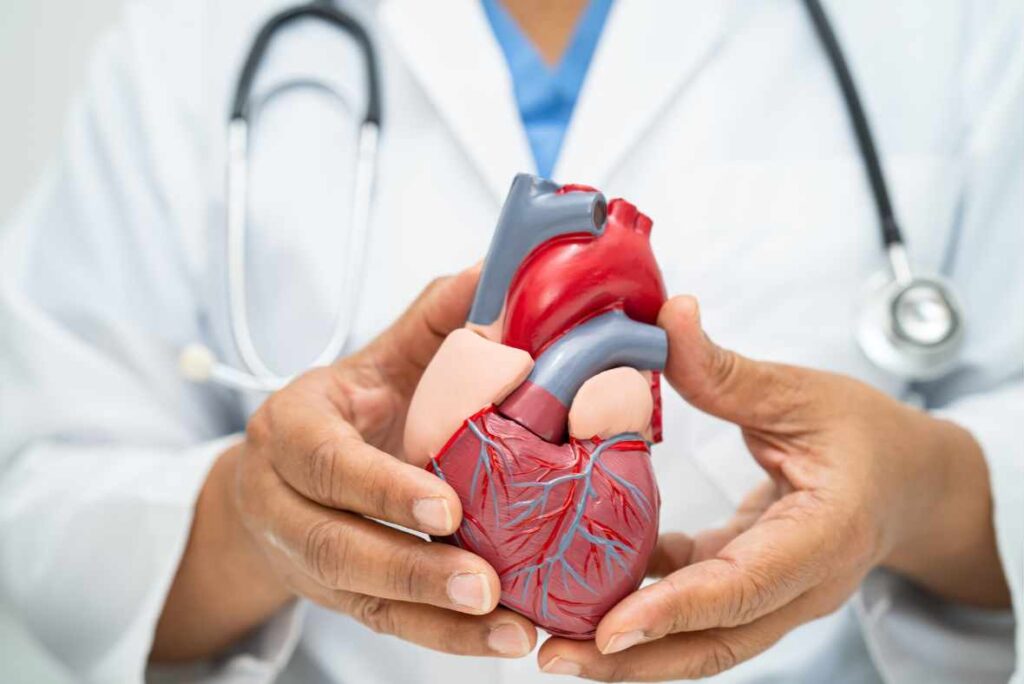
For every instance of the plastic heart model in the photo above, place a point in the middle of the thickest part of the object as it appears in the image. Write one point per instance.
(540, 413)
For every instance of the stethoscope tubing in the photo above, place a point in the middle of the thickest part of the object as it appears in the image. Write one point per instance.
(237, 233)
(259, 375)
(198, 363)
(889, 227)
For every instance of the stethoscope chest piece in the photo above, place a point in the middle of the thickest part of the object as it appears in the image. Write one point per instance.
(912, 328)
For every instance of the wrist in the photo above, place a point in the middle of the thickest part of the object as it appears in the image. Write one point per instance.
(244, 558)
(923, 493)
(224, 585)
(944, 538)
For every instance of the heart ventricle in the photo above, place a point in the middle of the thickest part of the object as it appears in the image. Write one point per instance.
(569, 528)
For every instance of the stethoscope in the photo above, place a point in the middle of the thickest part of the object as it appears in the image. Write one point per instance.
(910, 325)
(197, 361)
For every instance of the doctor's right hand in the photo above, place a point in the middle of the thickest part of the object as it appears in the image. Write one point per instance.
(288, 512)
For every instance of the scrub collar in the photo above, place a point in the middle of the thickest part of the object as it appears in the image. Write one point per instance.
(546, 95)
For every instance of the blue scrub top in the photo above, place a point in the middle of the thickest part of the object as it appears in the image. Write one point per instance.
(547, 95)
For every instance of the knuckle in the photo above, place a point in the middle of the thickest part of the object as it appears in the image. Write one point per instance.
(326, 551)
(321, 471)
(620, 670)
(378, 489)
(258, 430)
(752, 593)
(719, 657)
(376, 613)
(722, 366)
(676, 604)
(406, 572)
(452, 639)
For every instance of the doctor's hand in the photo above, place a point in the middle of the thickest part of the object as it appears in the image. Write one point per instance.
(288, 512)
(857, 480)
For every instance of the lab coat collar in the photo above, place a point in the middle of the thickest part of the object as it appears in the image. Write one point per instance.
(450, 49)
(649, 52)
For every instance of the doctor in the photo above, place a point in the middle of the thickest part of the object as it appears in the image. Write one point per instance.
(816, 525)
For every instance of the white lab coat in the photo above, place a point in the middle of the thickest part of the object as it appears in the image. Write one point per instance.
(721, 120)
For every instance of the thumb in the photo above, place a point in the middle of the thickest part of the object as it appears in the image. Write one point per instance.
(721, 382)
(405, 348)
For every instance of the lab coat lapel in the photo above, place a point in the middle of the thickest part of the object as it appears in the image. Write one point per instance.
(649, 52)
(450, 49)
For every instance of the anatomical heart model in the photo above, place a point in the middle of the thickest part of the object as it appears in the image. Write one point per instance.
(541, 412)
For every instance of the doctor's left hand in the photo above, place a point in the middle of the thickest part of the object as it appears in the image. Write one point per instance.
(293, 510)
(857, 480)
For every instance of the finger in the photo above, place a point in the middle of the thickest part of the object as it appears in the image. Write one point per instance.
(723, 383)
(787, 552)
(326, 460)
(709, 543)
(679, 656)
(671, 552)
(500, 633)
(675, 550)
(405, 348)
(344, 551)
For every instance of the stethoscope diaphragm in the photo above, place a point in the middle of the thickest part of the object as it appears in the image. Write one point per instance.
(912, 329)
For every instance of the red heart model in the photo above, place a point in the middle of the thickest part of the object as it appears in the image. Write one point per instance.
(568, 525)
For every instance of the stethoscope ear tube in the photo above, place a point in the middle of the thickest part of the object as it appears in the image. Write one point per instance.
(238, 301)
(325, 11)
(198, 362)
(889, 227)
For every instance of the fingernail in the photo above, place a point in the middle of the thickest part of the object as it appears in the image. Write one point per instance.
(622, 641)
(559, 665)
(509, 639)
(433, 514)
(470, 589)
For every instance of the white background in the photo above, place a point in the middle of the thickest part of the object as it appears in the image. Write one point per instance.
(44, 51)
